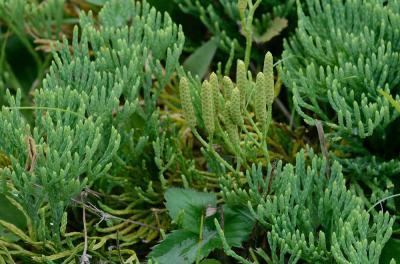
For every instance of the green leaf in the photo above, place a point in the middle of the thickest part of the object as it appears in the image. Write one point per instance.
(10, 214)
(276, 27)
(391, 250)
(210, 261)
(238, 224)
(199, 62)
(188, 205)
(182, 247)
(97, 2)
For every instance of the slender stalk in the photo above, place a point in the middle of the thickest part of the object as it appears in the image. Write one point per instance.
(247, 24)
(252, 138)
(265, 145)
(258, 132)
(198, 257)
(85, 257)
(212, 150)
(382, 200)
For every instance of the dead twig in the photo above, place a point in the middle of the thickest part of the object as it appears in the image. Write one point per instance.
(85, 258)
(322, 142)
(119, 250)
(284, 110)
(32, 153)
(105, 216)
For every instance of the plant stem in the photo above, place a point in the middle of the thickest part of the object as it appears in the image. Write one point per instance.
(198, 257)
(215, 154)
(265, 145)
(248, 31)
(84, 257)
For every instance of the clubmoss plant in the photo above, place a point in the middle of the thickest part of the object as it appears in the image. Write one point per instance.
(308, 214)
(239, 24)
(226, 111)
(342, 55)
(111, 72)
(337, 62)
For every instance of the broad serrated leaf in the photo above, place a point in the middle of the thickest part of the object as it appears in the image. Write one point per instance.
(238, 224)
(190, 205)
(199, 62)
(184, 247)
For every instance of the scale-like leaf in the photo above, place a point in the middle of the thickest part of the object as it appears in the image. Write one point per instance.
(237, 225)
